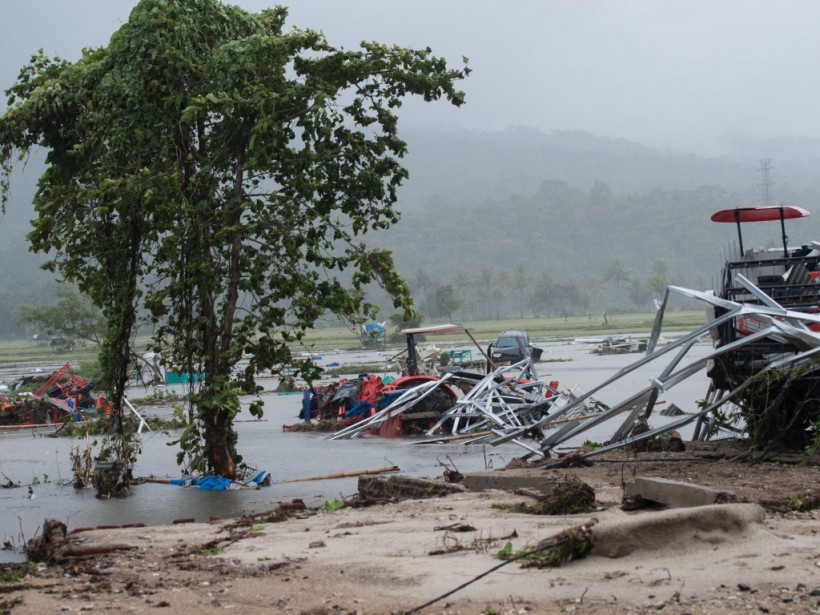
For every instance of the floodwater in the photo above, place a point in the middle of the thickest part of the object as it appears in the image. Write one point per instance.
(32, 458)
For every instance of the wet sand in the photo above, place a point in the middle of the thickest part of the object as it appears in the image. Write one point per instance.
(738, 557)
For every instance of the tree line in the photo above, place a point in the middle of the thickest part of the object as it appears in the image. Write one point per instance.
(565, 251)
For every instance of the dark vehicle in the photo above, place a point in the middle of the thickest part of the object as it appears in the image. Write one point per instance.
(511, 347)
(782, 408)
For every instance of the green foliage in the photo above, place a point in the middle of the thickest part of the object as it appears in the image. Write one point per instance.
(447, 301)
(567, 498)
(795, 502)
(506, 552)
(72, 317)
(780, 407)
(218, 169)
(813, 438)
(13, 574)
(275, 516)
(400, 321)
(333, 504)
(159, 397)
(180, 415)
(116, 458)
(575, 543)
(102, 425)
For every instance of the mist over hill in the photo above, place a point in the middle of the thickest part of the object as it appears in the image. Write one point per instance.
(478, 164)
(523, 221)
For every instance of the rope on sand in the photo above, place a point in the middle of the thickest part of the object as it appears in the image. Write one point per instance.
(484, 574)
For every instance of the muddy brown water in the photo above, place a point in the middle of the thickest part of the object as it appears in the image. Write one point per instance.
(29, 458)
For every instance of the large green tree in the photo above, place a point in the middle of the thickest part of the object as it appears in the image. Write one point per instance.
(72, 317)
(219, 169)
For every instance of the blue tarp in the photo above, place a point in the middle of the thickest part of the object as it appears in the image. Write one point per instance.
(373, 330)
(217, 483)
(364, 406)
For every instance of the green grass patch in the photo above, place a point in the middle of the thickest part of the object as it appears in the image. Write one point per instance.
(11, 573)
(320, 339)
(550, 329)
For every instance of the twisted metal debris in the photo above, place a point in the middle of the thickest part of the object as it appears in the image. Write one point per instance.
(510, 404)
(562, 418)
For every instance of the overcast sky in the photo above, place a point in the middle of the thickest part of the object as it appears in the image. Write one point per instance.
(682, 75)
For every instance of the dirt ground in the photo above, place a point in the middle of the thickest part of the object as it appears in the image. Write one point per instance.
(759, 554)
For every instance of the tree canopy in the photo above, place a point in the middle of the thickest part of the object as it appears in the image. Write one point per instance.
(219, 170)
(72, 317)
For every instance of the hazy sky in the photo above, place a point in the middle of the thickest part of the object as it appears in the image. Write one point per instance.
(674, 74)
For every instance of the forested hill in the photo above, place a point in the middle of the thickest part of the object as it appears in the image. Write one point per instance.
(500, 223)
(569, 222)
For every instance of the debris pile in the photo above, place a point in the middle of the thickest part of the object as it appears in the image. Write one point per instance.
(566, 417)
(60, 397)
(369, 402)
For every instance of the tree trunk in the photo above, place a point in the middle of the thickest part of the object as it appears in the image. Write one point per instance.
(218, 435)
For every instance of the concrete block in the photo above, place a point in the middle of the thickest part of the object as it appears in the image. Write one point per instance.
(673, 493)
(511, 480)
(403, 488)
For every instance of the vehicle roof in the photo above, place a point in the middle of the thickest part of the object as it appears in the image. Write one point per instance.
(760, 213)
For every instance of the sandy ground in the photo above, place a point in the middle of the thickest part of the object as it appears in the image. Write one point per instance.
(756, 555)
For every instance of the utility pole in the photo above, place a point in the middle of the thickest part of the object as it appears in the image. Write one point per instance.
(766, 184)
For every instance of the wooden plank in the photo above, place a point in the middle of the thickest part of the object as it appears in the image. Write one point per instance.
(383, 470)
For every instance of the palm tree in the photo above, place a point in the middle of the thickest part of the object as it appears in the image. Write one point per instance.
(461, 282)
(659, 278)
(520, 281)
(422, 283)
(617, 272)
(486, 279)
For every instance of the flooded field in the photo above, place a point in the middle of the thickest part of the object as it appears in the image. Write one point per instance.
(30, 458)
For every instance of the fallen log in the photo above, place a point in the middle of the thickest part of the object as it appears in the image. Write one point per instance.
(36, 425)
(151, 479)
(383, 470)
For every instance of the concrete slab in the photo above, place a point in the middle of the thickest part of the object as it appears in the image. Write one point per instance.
(403, 488)
(673, 493)
(511, 480)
